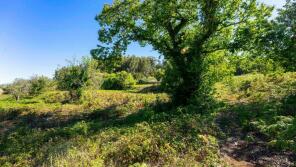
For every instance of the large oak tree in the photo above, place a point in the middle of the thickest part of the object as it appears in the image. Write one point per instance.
(183, 31)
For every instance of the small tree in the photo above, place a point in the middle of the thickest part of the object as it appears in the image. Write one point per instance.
(19, 88)
(72, 78)
(38, 85)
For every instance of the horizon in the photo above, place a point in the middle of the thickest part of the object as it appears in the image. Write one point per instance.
(38, 36)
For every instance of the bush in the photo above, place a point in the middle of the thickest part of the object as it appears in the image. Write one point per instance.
(55, 97)
(95, 80)
(72, 78)
(119, 81)
(38, 85)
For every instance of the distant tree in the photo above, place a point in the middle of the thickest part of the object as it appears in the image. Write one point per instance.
(138, 66)
(19, 88)
(183, 31)
(284, 38)
(38, 84)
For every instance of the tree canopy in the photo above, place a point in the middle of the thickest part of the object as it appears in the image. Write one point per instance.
(284, 36)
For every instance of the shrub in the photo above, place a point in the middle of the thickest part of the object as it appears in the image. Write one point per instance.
(38, 85)
(119, 81)
(95, 80)
(55, 97)
(78, 76)
(72, 78)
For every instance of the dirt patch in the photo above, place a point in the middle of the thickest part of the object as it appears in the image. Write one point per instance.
(238, 152)
(235, 163)
(246, 154)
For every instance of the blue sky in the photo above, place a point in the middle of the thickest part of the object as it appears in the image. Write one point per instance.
(37, 36)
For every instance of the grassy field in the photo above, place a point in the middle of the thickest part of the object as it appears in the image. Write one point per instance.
(139, 128)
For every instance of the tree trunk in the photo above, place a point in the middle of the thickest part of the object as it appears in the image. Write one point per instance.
(17, 97)
(191, 81)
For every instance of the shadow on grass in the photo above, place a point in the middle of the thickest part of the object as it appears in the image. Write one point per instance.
(32, 130)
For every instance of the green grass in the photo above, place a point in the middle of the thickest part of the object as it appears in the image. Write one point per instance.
(140, 128)
(107, 128)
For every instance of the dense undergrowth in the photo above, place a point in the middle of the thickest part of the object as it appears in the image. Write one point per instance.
(264, 105)
(141, 128)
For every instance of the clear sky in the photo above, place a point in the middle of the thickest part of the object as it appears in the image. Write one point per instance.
(37, 36)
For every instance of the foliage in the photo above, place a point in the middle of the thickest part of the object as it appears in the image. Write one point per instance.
(72, 78)
(119, 100)
(183, 34)
(95, 77)
(254, 87)
(216, 69)
(159, 74)
(119, 81)
(140, 136)
(34, 86)
(139, 67)
(289, 105)
(38, 85)
(55, 97)
(246, 64)
(19, 88)
(279, 43)
(123, 128)
(204, 42)
(264, 104)
(170, 79)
